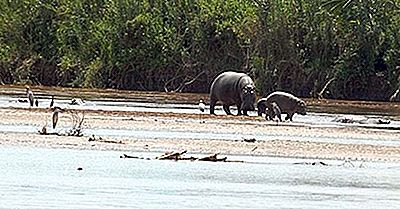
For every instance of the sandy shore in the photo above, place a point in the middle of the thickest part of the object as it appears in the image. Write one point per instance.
(295, 146)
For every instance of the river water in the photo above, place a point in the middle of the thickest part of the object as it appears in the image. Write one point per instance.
(317, 119)
(49, 178)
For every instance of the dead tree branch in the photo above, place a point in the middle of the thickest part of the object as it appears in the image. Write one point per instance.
(184, 84)
(320, 94)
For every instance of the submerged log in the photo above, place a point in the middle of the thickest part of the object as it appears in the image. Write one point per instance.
(179, 156)
(171, 155)
(52, 133)
(252, 140)
(312, 163)
(99, 139)
(128, 156)
(213, 158)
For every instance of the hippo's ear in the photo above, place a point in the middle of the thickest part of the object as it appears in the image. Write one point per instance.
(301, 103)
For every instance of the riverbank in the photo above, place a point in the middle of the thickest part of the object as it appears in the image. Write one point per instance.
(313, 105)
(285, 139)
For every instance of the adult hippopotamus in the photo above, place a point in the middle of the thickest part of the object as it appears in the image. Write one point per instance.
(233, 88)
(288, 103)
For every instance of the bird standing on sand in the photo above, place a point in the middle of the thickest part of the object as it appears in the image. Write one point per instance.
(202, 107)
(77, 101)
(52, 101)
(56, 110)
(30, 96)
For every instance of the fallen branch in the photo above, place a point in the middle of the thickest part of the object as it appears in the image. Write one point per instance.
(179, 156)
(99, 139)
(395, 96)
(46, 133)
(184, 84)
(77, 122)
(170, 81)
(129, 156)
(133, 157)
(324, 88)
(213, 158)
(312, 163)
(171, 155)
(252, 140)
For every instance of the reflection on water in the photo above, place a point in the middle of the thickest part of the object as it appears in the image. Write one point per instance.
(48, 178)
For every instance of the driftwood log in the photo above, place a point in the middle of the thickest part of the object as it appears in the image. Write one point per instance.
(171, 155)
(180, 156)
(99, 139)
(212, 158)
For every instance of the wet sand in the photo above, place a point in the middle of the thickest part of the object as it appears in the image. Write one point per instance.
(150, 121)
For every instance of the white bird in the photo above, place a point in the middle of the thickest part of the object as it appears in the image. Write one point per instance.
(202, 107)
(30, 96)
(77, 101)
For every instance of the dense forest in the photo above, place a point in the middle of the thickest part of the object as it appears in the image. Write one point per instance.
(344, 49)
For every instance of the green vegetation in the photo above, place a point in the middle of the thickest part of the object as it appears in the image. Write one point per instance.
(333, 49)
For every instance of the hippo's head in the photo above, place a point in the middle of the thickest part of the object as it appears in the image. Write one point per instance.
(301, 108)
(248, 96)
(261, 107)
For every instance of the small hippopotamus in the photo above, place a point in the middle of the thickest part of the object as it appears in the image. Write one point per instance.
(287, 103)
(233, 88)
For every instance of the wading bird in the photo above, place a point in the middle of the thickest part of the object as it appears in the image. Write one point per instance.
(77, 101)
(37, 103)
(202, 107)
(56, 110)
(52, 101)
(30, 96)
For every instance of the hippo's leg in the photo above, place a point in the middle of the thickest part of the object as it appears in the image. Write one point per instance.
(269, 114)
(279, 117)
(226, 109)
(239, 109)
(277, 112)
(213, 102)
(289, 116)
(261, 108)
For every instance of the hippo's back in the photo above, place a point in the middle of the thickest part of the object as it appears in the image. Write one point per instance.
(286, 101)
(224, 87)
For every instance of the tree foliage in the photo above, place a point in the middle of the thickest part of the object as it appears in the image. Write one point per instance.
(334, 49)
